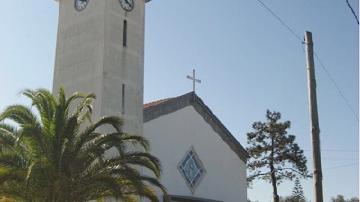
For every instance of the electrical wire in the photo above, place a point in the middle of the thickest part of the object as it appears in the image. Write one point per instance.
(353, 12)
(325, 159)
(343, 166)
(336, 86)
(316, 56)
(281, 21)
(328, 75)
(335, 150)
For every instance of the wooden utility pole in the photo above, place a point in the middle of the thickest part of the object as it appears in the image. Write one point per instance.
(314, 119)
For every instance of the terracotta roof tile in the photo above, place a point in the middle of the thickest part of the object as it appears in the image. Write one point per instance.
(154, 103)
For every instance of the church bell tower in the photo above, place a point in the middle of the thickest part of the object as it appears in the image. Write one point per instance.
(100, 49)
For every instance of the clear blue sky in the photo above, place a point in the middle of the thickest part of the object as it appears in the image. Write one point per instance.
(247, 60)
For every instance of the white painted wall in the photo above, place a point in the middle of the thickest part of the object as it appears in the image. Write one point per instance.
(172, 135)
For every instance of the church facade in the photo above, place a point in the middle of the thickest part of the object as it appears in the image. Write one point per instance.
(202, 161)
(100, 49)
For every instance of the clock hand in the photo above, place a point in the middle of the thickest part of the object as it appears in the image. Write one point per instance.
(127, 1)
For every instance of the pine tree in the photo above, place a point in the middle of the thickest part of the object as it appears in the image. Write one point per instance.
(274, 155)
(298, 192)
(341, 198)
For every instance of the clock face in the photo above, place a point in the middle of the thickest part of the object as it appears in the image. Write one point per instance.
(127, 5)
(81, 4)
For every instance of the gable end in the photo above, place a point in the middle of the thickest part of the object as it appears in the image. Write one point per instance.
(153, 111)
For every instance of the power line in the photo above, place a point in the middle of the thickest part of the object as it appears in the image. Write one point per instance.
(316, 56)
(336, 86)
(342, 166)
(336, 150)
(336, 159)
(281, 21)
(353, 12)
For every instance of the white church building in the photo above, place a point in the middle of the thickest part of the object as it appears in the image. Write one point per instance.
(100, 49)
(202, 161)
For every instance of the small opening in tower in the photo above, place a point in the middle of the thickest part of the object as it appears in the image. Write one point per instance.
(125, 33)
(123, 99)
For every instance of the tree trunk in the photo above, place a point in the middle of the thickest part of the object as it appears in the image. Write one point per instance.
(272, 169)
(273, 181)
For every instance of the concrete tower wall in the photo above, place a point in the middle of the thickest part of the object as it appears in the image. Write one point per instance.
(91, 57)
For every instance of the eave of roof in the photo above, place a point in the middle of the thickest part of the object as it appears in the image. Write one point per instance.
(190, 199)
(159, 108)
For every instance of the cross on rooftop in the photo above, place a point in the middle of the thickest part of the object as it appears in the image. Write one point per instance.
(193, 78)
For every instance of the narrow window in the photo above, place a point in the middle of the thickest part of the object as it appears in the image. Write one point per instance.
(125, 34)
(123, 99)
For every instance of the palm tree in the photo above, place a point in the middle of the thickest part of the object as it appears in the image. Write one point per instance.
(58, 154)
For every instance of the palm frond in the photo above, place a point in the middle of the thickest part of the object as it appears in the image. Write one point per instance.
(156, 183)
(19, 114)
(10, 174)
(142, 159)
(12, 160)
(82, 137)
(67, 158)
(136, 140)
(45, 104)
(8, 136)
